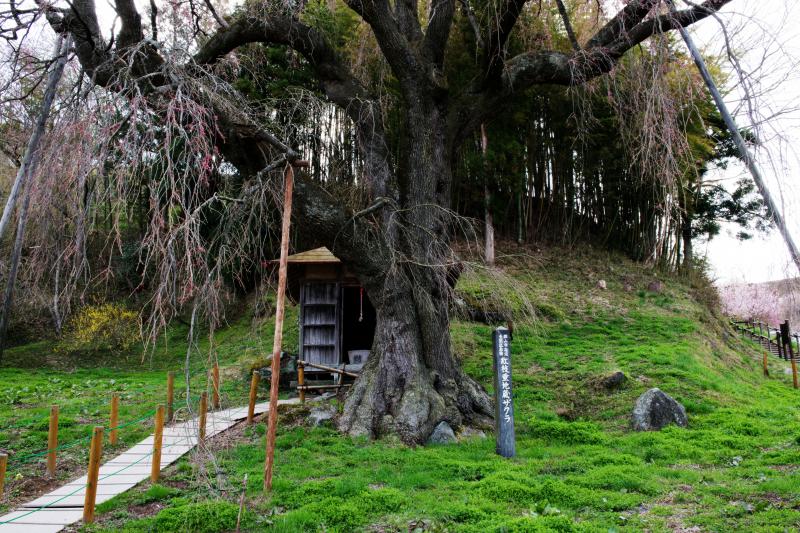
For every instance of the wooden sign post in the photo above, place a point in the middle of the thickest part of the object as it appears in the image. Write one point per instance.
(272, 424)
(504, 400)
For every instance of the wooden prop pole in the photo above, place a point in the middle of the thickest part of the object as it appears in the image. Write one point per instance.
(215, 385)
(272, 424)
(329, 369)
(170, 395)
(251, 406)
(3, 465)
(52, 440)
(114, 421)
(95, 452)
(158, 439)
(201, 430)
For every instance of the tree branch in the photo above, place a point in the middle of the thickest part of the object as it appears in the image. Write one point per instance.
(568, 25)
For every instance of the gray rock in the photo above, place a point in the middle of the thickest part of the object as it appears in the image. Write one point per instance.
(655, 409)
(469, 432)
(321, 414)
(442, 434)
(614, 381)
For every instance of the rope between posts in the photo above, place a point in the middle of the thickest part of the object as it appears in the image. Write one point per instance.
(82, 487)
(26, 458)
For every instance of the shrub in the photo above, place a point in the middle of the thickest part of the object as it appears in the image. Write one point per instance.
(101, 327)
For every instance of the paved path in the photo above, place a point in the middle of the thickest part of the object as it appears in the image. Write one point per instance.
(64, 506)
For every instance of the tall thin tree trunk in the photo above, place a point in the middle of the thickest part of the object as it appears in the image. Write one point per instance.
(30, 159)
(26, 170)
(488, 223)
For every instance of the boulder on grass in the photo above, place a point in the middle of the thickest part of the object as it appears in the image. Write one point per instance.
(655, 409)
(613, 381)
(321, 414)
(442, 434)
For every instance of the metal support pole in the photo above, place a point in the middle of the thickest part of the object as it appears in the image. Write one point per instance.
(752, 166)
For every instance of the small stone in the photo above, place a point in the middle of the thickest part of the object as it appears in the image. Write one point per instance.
(323, 397)
(614, 381)
(627, 287)
(321, 414)
(655, 286)
(601, 284)
(469, 432)
(655, 409)
(442, 434)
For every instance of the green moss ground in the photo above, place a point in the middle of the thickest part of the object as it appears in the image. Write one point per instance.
(579, 468)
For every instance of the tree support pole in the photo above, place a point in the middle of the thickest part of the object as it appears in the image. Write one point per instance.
(752, 166)
(272, 423)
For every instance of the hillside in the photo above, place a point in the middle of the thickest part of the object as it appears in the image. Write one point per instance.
(579, 467)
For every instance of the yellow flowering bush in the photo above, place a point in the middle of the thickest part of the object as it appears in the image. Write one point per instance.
(101, 327)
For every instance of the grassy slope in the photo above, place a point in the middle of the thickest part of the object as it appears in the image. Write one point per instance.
(735, 468)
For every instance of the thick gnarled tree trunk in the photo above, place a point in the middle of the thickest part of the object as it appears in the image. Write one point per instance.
(411, 382)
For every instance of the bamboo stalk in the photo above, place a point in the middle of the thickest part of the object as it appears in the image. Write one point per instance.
(215, 386)
(301, 380)
(114, 422)
(52, 440)
(201, 430)
(272, 424)
(170, 395)
(95, 452)
(158, 438)
(251, 406)
(3, 466)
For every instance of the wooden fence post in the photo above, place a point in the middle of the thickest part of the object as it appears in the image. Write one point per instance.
(158, 438)
(52, 440)
(114, 422)
(95, 452)
(201, 432)
(3, 465)
(170, 395)
(301, 380)
(251, 406)
(793, 361)
(215, 386)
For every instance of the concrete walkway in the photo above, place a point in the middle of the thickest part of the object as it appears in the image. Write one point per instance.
(64, 506)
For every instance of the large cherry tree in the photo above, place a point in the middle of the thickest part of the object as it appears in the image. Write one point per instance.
(398, 241)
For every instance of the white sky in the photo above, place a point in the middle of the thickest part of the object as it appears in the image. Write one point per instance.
(767, 34)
